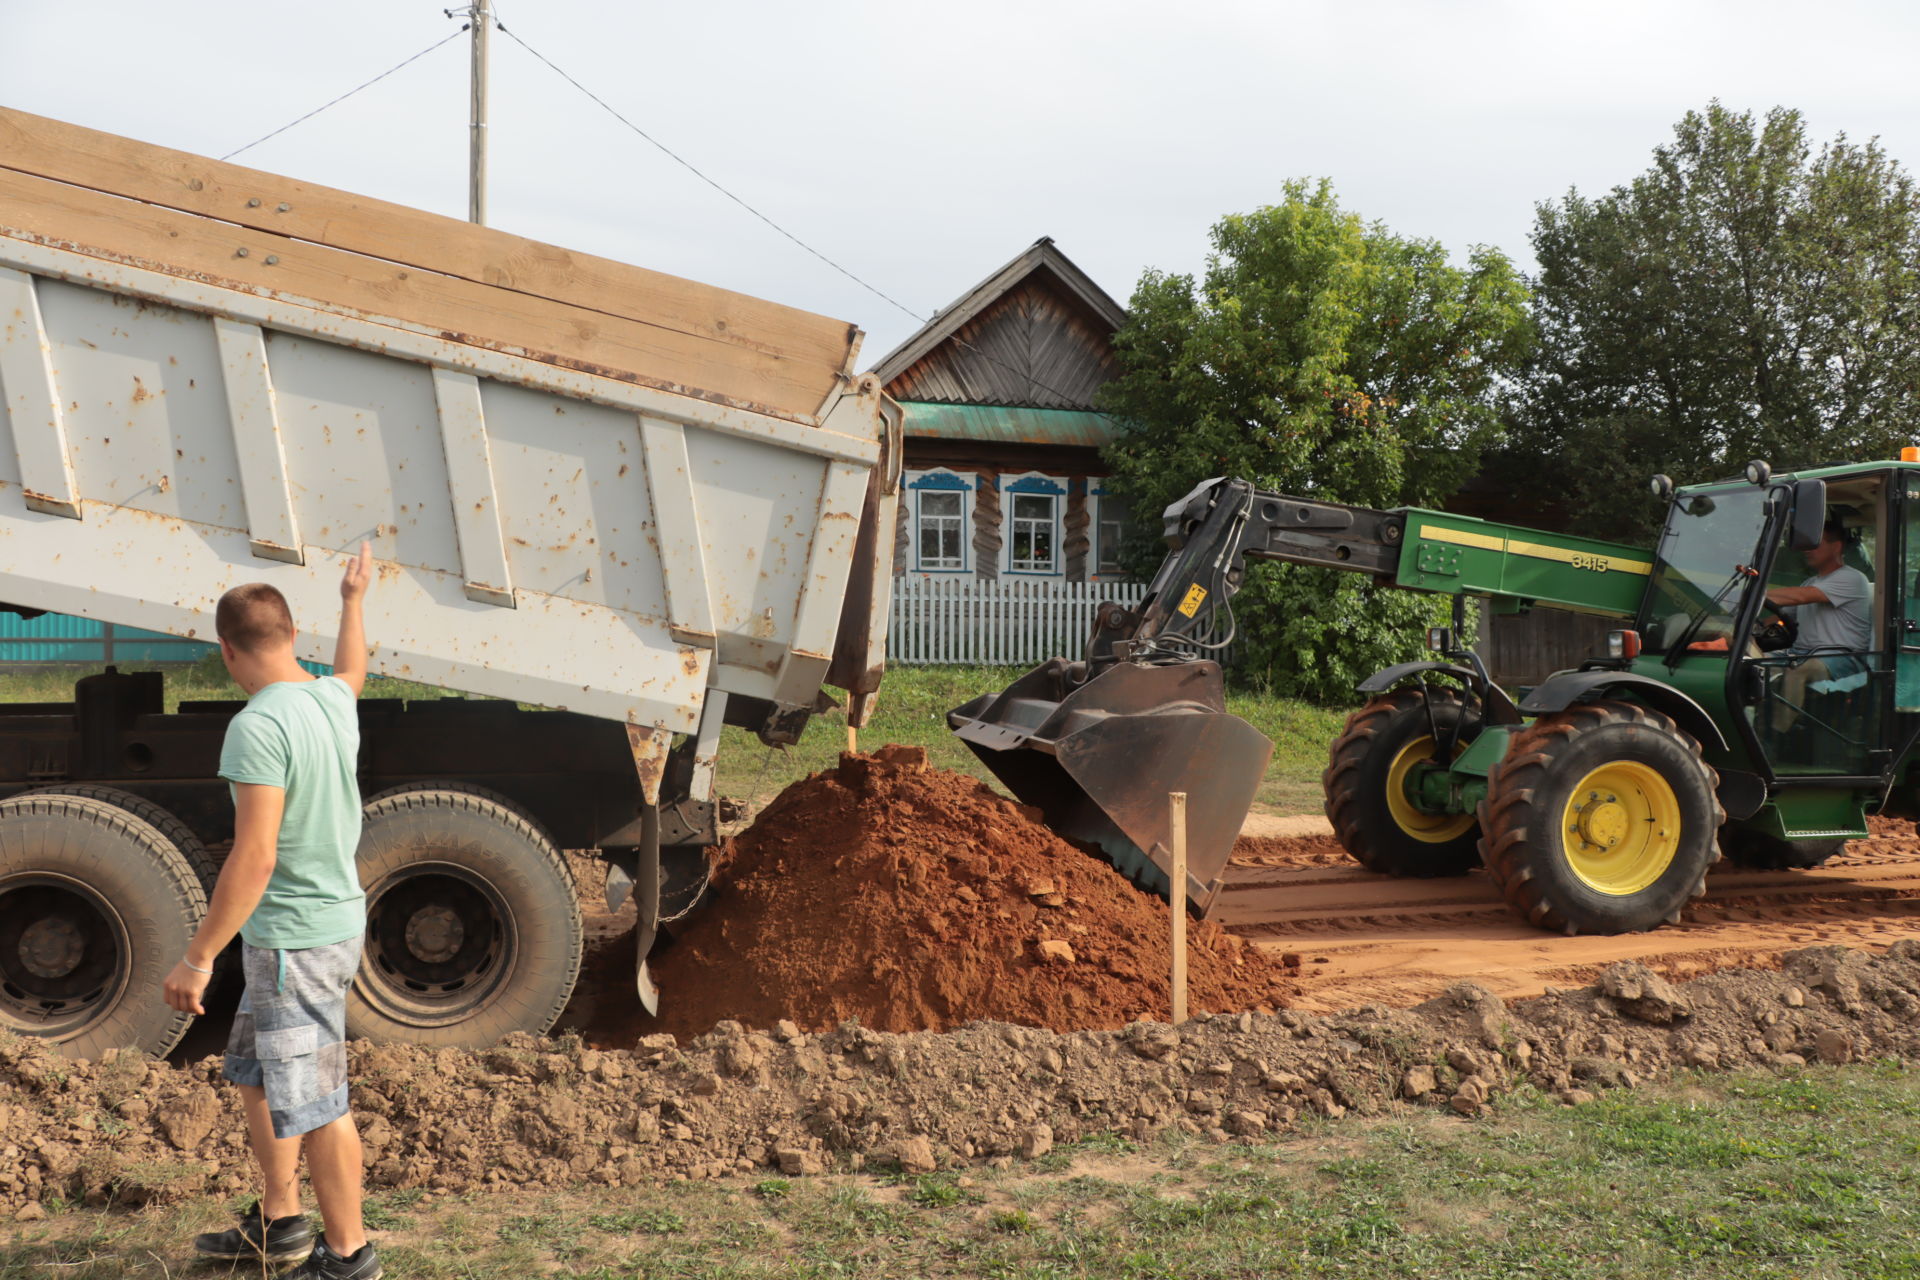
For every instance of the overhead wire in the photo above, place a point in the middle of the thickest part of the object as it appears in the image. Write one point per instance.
(688, 165)
(348, 94)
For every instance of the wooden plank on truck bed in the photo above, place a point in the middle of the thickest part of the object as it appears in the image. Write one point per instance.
(144, 235)
(818, 349)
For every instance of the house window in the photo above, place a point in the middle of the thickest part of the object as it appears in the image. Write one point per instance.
(1035, 548)
(942, 510)
(1110, 523)
(1032, 508)
(941, 521)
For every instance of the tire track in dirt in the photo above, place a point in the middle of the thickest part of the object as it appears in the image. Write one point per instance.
(1367, 939)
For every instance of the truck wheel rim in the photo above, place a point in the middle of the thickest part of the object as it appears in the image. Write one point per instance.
(440, 945)
(1433, 828)
(63, 955)
(1621, 828)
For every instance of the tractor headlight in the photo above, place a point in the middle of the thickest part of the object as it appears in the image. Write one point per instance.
(1623, 644)
(1758, 472)
(1440, 639)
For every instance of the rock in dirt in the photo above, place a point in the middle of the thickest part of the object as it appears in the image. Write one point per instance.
(1643, 994)
(904, 896)
(915, 1155)
(31, 1211)
(1037, 1141)
(1834, 1047)
(797, 1162)
(1418, 1082)
(189, 1119)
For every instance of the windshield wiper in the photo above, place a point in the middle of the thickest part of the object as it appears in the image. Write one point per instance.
(1678, 648)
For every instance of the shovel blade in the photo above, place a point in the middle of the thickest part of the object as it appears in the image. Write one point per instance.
(1098, 759)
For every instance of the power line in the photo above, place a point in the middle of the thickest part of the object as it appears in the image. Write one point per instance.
(348, 94)
(689, 167)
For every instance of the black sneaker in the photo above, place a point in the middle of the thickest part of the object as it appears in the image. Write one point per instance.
(324, 1264)
(281, 1240)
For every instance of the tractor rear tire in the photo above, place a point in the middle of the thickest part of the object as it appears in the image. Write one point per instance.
(1757, 851)
(473, 922)
(96, 907)
(1601, 819)
(1367, 803)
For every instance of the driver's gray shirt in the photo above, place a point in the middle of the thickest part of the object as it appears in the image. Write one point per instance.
(1845, 622)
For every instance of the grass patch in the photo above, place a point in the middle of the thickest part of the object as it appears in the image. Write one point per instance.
(1810, 1174)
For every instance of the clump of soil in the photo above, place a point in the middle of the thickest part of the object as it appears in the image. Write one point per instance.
(538, 1112)
(915, 899)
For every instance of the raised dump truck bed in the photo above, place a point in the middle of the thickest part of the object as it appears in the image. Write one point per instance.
(588, 487)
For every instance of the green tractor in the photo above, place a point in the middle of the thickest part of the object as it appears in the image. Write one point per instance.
(1597, 800)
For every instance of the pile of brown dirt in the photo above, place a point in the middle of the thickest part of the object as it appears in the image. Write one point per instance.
(547, 1113)
(915, 899)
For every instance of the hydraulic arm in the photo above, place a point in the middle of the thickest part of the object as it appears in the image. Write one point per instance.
(1223, 523)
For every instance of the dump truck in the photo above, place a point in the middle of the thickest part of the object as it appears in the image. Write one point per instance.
(621, 509)
(1595, 801)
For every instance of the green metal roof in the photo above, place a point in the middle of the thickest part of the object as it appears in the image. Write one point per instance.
(999, 424)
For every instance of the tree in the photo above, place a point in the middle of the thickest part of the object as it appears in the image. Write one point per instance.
(1743, 298)
(1318, 355)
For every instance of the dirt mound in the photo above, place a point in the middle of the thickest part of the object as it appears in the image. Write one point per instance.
(535, 1112)
(914, 899)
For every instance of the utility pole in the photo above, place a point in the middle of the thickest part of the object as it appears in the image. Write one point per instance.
(482, 18)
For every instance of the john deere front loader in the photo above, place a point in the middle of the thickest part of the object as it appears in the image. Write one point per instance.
(1595, 801)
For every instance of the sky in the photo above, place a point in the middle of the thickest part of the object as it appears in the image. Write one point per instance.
(921, 146)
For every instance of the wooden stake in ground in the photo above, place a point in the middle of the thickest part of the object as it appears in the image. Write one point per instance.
(853, 739)
(1177, 876)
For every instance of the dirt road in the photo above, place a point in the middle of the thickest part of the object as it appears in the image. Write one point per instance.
(1368, 939)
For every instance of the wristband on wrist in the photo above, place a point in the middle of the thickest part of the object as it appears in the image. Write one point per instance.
(196, 968)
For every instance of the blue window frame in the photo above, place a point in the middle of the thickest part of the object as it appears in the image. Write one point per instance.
(942, 504)
(1033, 507)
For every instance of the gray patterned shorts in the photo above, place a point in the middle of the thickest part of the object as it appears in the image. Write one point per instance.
(290, 1031)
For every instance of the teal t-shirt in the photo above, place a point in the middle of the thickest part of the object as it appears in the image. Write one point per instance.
(304, 737)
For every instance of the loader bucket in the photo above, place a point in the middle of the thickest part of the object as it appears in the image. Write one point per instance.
(1097, 757)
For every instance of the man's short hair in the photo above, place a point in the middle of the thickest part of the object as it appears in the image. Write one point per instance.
(1835, 530)
(253, 617)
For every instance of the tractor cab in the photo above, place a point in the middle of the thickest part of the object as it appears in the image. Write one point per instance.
(1812, 685)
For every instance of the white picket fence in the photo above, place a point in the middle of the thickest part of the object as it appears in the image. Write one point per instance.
(996, 621)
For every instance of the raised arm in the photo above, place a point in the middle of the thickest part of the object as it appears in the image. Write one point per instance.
(350, 651)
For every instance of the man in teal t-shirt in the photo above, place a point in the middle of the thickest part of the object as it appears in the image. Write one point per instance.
(290, 889)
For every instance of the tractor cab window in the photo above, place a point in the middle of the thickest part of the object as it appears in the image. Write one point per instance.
(1822, 673)
(1702, 567)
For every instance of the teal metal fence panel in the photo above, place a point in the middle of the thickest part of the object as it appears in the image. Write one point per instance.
(60, 639)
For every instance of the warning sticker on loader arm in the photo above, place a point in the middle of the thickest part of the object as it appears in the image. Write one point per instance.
(1196, 595)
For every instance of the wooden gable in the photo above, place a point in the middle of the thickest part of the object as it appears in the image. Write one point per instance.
(1038, 334)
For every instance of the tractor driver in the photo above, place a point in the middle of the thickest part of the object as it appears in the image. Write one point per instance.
(1833, 610)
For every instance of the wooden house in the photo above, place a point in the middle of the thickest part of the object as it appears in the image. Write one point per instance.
(1003, 433)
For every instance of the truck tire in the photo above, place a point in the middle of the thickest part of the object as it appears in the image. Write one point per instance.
(1601, 819)
(182, 836)
(96, 907)
(1366, 800)
(473, 924)
(1758, 851)
(226, 965)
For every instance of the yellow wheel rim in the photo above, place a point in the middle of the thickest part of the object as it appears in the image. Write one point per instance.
(1621, 828)
(1433, 828)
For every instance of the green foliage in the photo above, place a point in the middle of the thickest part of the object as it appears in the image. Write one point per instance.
(1743, 298)
(1325, 356)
